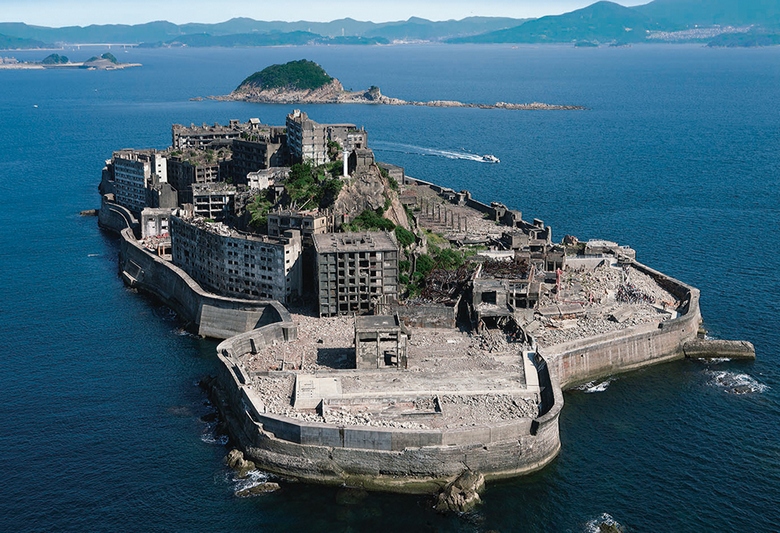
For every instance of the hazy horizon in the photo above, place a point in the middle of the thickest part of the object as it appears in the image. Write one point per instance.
(57, 14)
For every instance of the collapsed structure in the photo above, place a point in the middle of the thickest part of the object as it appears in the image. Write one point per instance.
(412, 370)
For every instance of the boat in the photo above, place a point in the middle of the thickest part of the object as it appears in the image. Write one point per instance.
(490, 158)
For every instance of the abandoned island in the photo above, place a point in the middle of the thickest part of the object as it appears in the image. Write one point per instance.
(381, 331)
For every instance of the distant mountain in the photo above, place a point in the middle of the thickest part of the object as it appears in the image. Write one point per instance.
(607, 22)
(602, 21)
(750, 39)
(690, 13)
(18, 43)
(417, 29)
(275, 38)
(341, 31)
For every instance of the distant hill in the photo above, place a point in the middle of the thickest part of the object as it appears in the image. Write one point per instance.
(264, 39)
(18, 43)
(690, 13)
(602, 21)
(750, 39)
(238, 30)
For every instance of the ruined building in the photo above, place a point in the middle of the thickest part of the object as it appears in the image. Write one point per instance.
(354, 270)
(229, 263)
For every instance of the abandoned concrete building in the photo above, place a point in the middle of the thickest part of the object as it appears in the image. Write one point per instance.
(258, 149)
(132, 173)
(380, 342)
(500, 288)
(307, 222)
(215, 201)
(234, 264)
(308, 140)
(353, 270)
(201, 137)
(186, 169)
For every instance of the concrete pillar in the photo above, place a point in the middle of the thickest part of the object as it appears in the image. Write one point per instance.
(345, 155)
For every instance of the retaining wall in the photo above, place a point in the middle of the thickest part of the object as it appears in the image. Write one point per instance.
(214, 316)
(417, 461)
(620, 351)
(114, 217)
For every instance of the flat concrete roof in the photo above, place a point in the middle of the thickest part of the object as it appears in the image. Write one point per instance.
(365, 241)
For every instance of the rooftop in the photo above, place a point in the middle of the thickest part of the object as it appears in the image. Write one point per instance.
(355, 242)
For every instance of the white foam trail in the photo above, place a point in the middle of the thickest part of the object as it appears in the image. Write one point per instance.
(597, 525)
(253, 478)
(421, 150)
(593, 386)
(735, 383)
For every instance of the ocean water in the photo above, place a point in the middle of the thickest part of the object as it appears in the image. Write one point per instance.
(677, 155)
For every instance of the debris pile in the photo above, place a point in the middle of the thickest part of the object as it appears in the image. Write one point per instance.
(443, 286)
(514, 269)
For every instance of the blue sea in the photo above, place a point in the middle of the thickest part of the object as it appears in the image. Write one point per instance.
(104, 427)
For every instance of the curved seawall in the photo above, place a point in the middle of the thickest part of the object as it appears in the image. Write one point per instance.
(213, 316)
(595, 357)
(388, 458)
(377, 458)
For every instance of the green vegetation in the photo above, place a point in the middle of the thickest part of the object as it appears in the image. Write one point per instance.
(405, 237)
(438, 259)
(301, 75)
(8, 42)
(309, 186)
(370, 220)
(750, 39)
(55, 59)
(259, 209)
(107, 56)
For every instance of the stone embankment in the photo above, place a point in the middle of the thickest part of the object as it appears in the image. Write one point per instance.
(334, 93)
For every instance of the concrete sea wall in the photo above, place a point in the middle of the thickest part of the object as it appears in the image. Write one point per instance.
(588, 359)
(377, 458)
(213, 316)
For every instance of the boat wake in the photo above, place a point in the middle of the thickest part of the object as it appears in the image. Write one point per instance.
(735, 383)
(421, 150)
(594, 386)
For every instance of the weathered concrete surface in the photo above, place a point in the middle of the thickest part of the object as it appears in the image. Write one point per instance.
(592, 358)
(711, 348)
(214, 316)
(114, 217)
(377, 458)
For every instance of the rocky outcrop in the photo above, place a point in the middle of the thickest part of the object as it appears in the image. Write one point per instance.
(235, 460)
(370, 190)
(461, 495)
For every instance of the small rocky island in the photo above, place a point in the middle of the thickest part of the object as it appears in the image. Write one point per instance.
(306, 82)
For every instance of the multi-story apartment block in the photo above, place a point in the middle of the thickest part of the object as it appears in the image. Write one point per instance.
(191, 167)
(234, 264)
(215, 201)
(308, 140)
(258, 149)
(201, 137)
(133, 172)
(354, 270)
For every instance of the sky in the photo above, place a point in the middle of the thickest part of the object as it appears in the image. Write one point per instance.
(58, 13)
